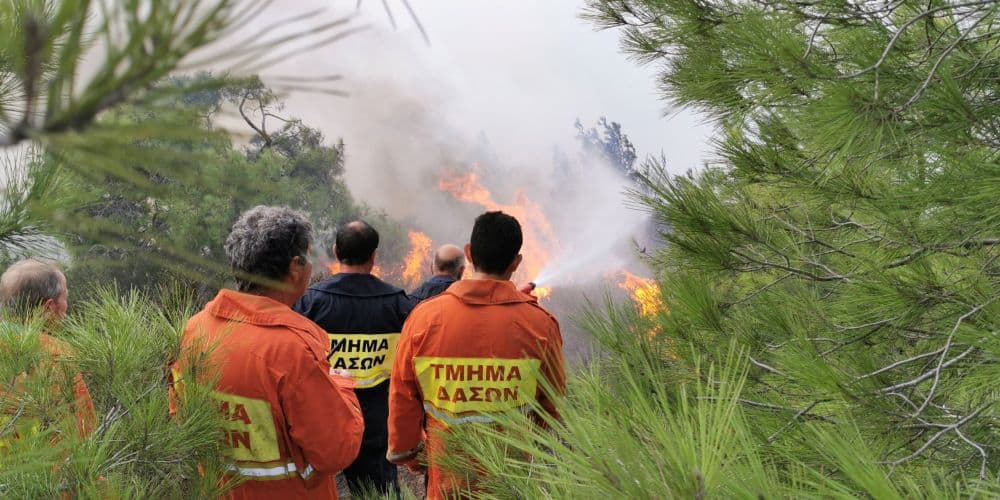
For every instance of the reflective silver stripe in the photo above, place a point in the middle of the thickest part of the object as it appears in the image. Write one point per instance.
(481, 418)
(367, 382)
(288, 469)
(308, 472)
(281, 470)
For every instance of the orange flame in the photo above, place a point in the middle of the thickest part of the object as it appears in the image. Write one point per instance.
(542, 292)
(333, 266)
(416, 261)
(644, 292)
(539, 237)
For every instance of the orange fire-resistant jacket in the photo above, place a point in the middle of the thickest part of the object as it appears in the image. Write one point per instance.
(290, 425)
(479, 349)
(85, 416)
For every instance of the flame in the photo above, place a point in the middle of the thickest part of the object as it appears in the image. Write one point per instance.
(542, 292)
(417, 259)
(646, 295)
(644, 292)
(539, 238)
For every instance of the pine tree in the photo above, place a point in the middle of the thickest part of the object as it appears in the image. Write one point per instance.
(831, 275)
(122, 343)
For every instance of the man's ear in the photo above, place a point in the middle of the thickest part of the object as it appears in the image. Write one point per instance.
(514, 265)
(468, 255)
(50, 306)
(296, 267)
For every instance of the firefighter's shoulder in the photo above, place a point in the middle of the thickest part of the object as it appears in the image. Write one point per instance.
(300, 335)
(540, 314)
(432, 306)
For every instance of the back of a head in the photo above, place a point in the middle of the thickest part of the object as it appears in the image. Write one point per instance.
(263, 242)
(26, 285)
(495, 242)
(449, 259)
(356, 243)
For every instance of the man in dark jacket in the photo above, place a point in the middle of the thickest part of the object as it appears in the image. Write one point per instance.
(449, 264)
(362, 316)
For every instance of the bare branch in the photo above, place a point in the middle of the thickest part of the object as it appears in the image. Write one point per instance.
(927, 375)
(902, 29)
(937, 64)
(800, 272)
(764, 366)
(979, 448)
(772, 437)
(937, 435)
(900, 363)
(259, 130)
(947, 346)
(771, 407)
(762, 289)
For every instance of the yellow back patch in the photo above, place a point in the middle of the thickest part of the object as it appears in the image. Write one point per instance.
(483, 385)
(368, 356)
(248, 431)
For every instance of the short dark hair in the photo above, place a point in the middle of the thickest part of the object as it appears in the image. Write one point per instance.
(496, 240)
(356, 243)
(263, 242)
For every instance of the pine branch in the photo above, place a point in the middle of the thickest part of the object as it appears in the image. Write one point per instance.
(948, 428)
(947, 347)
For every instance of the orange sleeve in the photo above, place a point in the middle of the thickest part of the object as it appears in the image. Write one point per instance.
(86, 418)
(406, 410)
(553, 369)
(323, 415)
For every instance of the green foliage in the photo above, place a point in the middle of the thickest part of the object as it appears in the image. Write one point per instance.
(44, 41)
(638, 423)
(123, 347)
(112, 126)
(27, 193)
(178, 220)
(831, 277)
(116, 124)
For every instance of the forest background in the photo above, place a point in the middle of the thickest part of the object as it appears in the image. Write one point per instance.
(830, 279)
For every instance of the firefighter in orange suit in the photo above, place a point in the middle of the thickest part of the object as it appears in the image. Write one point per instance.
(31, 286)
(479, 349)
(289, 424)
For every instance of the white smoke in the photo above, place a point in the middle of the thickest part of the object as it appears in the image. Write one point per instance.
(498, 89)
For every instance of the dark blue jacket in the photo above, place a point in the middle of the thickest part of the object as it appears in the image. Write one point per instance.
(435, 285)
(359, 312)
(362, 316)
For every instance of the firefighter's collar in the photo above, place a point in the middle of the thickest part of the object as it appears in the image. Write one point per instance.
(487, 292)
(255, 310)
(356, 285)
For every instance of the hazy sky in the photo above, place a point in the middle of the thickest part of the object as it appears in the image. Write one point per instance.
(520, 71)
